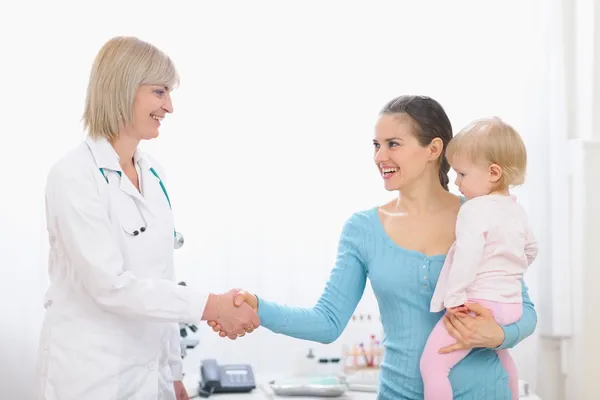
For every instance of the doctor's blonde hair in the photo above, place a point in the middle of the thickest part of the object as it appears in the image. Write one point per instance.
(492, 141)
(121, 66)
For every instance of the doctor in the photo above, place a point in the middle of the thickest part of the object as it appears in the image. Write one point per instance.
(112, 310)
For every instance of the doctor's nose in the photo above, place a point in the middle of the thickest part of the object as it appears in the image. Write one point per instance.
(168, 104)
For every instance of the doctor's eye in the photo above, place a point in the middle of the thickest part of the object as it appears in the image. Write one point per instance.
(160, 92)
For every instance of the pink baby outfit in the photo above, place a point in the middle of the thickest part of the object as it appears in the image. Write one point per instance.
(494, 247)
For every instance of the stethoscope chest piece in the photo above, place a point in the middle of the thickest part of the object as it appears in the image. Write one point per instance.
(178, 240)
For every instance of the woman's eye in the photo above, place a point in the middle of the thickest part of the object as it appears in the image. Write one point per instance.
(159, 92)
(376, 145)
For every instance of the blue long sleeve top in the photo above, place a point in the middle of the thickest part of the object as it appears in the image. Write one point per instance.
(403, 281)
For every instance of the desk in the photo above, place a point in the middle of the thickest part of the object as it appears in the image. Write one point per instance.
(262, 391)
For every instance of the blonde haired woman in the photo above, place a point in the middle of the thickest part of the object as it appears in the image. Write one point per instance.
(112, 310)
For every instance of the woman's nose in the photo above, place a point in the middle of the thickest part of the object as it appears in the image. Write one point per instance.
(380, 155)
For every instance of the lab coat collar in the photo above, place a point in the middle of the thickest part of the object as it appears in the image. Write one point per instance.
(106, 157)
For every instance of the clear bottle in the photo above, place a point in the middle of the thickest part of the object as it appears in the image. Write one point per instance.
(323, 367)
(308, 364)
(336, 367)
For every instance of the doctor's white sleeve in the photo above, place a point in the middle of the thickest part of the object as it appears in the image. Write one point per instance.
(79, 215)
(175, 360)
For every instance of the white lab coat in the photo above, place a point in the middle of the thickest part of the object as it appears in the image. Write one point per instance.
(112, 311)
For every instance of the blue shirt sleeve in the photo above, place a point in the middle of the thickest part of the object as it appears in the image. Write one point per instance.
(327, 319)
(518, 331)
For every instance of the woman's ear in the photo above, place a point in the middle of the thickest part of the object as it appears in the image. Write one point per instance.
(436, 147)
(495, 172)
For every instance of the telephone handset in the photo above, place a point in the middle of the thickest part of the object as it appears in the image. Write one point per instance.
(230, 378)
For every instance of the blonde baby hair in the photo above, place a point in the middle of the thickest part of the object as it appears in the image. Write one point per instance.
(492, 141)
(121, 66)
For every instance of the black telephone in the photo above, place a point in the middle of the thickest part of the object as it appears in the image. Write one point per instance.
(228, 378)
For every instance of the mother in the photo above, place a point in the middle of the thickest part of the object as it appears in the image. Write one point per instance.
(401, 246)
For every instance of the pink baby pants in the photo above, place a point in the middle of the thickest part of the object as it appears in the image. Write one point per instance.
(435, 367)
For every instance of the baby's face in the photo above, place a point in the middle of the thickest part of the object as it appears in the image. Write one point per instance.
(472, 180)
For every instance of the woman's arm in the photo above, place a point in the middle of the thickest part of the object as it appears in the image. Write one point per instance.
(327, 319)
(524, 327)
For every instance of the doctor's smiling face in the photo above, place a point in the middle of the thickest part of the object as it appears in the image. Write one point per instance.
(151, 104)
(129, 91)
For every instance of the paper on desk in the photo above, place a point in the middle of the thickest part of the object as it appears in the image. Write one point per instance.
(314, 386)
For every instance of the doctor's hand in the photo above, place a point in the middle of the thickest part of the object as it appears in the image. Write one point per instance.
(234, 317)
(180, 392)
(241, 298)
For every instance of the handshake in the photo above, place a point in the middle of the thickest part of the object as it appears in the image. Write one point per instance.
(232, 314)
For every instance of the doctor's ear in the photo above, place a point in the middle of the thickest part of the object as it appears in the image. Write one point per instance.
(495, 172)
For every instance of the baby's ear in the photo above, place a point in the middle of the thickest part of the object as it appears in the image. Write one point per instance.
(495, 172)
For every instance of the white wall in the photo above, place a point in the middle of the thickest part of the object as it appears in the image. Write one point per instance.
(272, 125)
(569, 360)
(581, 353)
(582, 367)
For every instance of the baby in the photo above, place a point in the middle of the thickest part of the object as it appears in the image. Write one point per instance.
(494, 245)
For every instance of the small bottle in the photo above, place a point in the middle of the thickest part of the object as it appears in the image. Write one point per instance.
(372, 351)
(307, 364)
(335, 366)
(323, 367)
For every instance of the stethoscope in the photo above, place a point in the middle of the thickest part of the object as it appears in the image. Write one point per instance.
(177, 237)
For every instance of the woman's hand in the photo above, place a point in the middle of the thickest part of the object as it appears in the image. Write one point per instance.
(240, 298)
(470, 331)
(234, 317)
